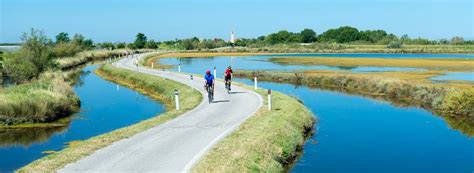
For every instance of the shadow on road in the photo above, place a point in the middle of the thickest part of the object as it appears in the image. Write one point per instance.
(237, 92)
(220, 101)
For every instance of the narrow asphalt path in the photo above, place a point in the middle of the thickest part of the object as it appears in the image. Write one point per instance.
(174, 146)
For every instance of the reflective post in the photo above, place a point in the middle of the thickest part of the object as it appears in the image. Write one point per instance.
(152, 64)
(191, 82)
(176, 98)
(255, 82)
(215, 73)
(179, 68)
(269, 99)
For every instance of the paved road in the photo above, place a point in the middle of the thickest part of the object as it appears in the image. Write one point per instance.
(177, 144)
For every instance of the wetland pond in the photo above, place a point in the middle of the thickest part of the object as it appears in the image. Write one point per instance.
(105, 106)
(260, 62)
(356, 133)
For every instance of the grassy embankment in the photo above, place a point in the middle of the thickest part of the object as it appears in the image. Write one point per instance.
(454, 101)
(155, 87)
(459, 64)
(266, 142)
(93, 55)
(42, 101)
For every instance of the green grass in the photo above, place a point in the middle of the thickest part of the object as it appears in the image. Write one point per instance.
(453, 102)
(158, 88)
(266, 142)
(40, 101)
(87, 56)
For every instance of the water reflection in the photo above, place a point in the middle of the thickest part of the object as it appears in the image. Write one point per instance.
(261, 62)
(28, 136)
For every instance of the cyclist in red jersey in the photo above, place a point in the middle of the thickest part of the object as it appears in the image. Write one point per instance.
(228, 77)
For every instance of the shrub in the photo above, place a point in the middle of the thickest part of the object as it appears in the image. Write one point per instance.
(394, 45)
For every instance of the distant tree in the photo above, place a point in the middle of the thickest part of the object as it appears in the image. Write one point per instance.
(389, 38)
(457, 40)
(78, 39)
(131, 46)
(121, 45)
(88, 44)
(62, 37)
(421, 41)
(106, 45)
(35, 49)
(282, 36)
(189, 44)
(308, 36)
(140, 41)
(151, 44)
(405, 39)
(343, 34)
(372, 36)
(34, 57)
(443, 41)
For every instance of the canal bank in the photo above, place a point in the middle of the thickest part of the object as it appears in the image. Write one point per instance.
(145, 84)
(366, 134)
(105, 107)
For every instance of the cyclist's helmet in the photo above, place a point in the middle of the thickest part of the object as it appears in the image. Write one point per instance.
(208, 71)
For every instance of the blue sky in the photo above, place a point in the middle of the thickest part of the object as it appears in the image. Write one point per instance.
(121, 20)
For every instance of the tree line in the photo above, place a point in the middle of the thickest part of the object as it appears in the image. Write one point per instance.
(344, 35)
(341, 35)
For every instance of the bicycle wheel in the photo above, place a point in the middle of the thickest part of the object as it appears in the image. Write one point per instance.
(209, 94)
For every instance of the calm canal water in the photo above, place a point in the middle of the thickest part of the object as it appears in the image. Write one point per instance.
(261, 62)
(359, 134)
(104, 108)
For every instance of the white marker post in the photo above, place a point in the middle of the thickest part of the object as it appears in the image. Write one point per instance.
(191, 82)
(179, 68)
(269, 99)
(215, 72)
(255, 82)
(176, 97)
(152, 64)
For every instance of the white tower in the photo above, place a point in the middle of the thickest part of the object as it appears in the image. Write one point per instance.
(232, 37)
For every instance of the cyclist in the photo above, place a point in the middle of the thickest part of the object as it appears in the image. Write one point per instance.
(209, 83)
(228, 77)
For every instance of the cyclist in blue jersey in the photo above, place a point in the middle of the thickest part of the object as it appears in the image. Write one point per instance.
(209, 85)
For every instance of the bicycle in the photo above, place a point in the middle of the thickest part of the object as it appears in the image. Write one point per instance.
(227, 86)
(210, 93)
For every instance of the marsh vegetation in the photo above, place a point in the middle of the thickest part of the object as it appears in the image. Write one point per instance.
(460, 64)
